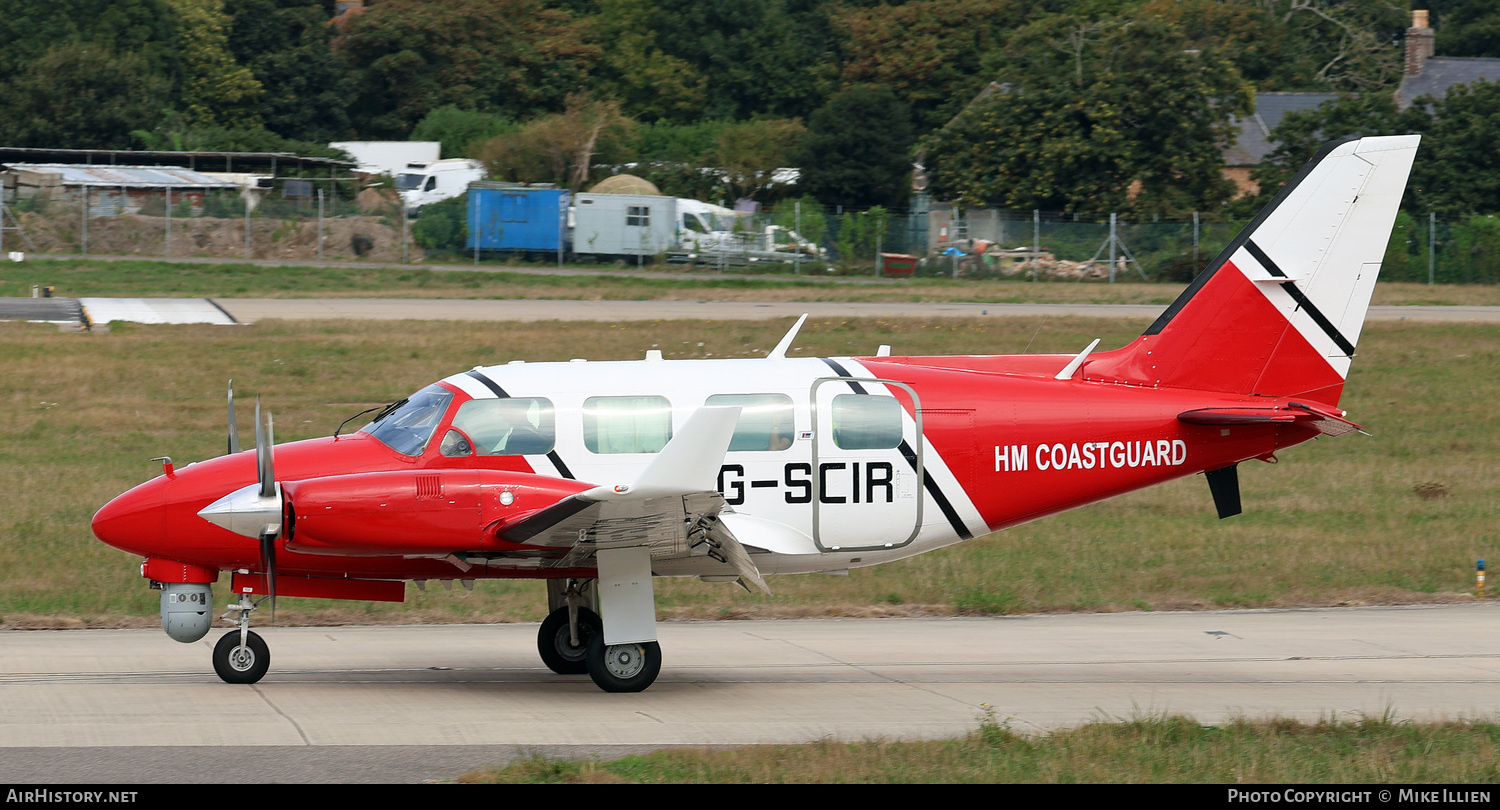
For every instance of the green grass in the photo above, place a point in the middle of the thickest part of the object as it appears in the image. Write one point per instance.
(150, 278)
(1396, 517)
(1372, 751)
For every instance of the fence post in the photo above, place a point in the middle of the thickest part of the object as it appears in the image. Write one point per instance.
(1036, 243)
(247, 224)
(84, 249)
(1431, 247)
(1195, 238)
(1112, 241)
(797, 224)
(320, 224)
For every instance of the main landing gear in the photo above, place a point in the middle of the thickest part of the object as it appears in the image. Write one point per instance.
(241, 656)
(571, 640)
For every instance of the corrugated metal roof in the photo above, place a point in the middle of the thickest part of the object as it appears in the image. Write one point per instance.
(80, 174)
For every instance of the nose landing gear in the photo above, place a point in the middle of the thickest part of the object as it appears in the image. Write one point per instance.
(241, 656)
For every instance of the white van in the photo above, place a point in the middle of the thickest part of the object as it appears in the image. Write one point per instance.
(429, 182)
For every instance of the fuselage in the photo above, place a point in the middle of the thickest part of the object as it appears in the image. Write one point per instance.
(837, 463)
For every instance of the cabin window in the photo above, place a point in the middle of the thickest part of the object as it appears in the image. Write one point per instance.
(431, 184)
(519, 426)
(407, 425)
(691, 222)
(864, 422)
(626, 424)
(638, 215)
(765, 420)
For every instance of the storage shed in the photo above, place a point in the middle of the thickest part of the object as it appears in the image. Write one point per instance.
(112, 190)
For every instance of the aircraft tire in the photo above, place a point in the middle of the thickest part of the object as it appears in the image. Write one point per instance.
(236, 664)
(623, 667)
(552, 641)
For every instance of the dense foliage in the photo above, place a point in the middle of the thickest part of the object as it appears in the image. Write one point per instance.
(1084, 104)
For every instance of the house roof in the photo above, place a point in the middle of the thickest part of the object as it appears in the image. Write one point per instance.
(1254, 141)
(1442, 72)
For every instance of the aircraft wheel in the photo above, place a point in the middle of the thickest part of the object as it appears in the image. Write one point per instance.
(238, 663)
(623, 667)
(552, 641)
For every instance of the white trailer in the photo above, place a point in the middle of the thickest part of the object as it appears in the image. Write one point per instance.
(624, 225)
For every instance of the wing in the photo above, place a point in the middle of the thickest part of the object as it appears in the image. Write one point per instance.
(672, 508)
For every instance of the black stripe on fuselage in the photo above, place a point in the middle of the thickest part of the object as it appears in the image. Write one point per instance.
(1213, 267)
(1302, 300)
(552, 456)
(943, 504)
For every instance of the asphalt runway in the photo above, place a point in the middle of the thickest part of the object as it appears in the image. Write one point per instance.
(426, 703)
(248, 310)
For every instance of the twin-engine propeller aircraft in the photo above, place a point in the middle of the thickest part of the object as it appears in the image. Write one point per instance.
(599, 476)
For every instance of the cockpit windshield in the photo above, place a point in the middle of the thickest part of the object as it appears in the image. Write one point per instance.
(406, 181)
(408, 425)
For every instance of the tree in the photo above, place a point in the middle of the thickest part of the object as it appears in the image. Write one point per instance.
(517, 58)
(286, 46)
(79, 96)
(560, 148)
(857, 152)
(767, 58)
(749, 154)
(1110, 115)
(1467, 28)
(928, 52)
(216, 90)
(652, 85)
(462, 132)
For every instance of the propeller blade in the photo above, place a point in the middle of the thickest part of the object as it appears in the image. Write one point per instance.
(265, 438)
(234, 431)
(268, 562)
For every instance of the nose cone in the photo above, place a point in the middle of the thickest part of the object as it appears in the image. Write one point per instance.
(134, 521)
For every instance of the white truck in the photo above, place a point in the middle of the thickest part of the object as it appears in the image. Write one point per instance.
(428, 182)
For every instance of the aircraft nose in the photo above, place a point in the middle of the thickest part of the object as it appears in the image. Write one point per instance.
(133, 521)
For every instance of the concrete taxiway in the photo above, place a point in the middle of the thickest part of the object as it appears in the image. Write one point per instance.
(395, 703)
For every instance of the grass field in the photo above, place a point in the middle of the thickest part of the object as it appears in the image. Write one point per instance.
(1400, 516)
(143, 278)
(1376, 752)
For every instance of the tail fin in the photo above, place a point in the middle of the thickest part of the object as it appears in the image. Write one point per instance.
(1279, 311)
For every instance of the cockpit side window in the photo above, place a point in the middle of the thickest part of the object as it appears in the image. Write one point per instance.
(521, 426)
(407, 427)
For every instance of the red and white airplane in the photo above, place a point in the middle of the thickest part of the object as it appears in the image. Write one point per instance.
(599, 476)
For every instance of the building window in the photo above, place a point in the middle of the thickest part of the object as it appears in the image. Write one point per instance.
(638, 216)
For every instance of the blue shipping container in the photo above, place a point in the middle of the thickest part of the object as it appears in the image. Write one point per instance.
(518, 219)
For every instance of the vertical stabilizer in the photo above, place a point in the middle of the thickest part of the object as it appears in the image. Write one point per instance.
(1280, 310)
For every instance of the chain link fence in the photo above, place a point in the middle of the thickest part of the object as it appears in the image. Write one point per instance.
(294, 219)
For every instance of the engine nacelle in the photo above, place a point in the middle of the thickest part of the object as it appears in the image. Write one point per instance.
(187, 610)
(413, 511)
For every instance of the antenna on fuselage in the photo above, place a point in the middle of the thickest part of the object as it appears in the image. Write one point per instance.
(779, 353)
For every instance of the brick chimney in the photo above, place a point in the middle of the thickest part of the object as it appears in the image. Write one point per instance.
(1419, 39)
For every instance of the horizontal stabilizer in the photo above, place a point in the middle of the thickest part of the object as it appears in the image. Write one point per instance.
(1328, 421)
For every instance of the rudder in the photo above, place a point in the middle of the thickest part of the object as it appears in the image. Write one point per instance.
(1280, 310)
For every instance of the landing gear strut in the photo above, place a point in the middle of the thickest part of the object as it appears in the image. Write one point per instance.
(563, 644)
(241, 656)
